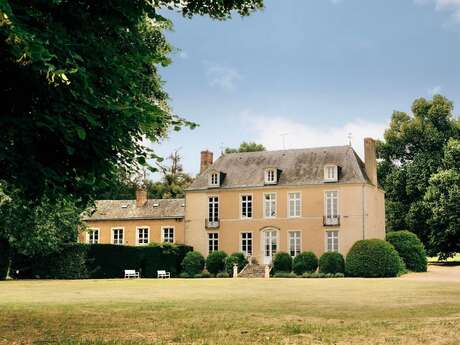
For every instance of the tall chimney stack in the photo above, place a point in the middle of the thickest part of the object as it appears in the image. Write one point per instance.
(206, 160)
(141, 197)
(370, 160)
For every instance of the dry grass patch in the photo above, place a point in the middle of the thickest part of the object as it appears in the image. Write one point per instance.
(226, 311)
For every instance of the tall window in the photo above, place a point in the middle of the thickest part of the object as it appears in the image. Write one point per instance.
(214, 179)
(117, 236)
(330, 173)
(270, 176)
(332, 241)
(213, 241)
(142, 236)
(270, 205)
(93, 236)
(294, 243)
(331, 206)
(246, 206)
(294, 204)
(167, 234)
(246, 243)
(213, 208)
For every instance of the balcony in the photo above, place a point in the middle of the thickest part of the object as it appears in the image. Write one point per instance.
(331, 220)
(212, 224)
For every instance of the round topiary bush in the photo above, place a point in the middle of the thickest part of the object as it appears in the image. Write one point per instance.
(282, 262)
(332, 262)
(305, 262)
(235, 258)
(410, 249)
(193, 263)
(215, 262)
(372, 258)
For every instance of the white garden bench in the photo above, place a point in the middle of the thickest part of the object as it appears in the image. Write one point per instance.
(163, 274)
(131, 274)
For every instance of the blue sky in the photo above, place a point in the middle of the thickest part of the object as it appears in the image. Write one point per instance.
(310, 71)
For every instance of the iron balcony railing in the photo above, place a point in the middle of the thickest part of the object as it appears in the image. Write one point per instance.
(331, 220)
(212, 223)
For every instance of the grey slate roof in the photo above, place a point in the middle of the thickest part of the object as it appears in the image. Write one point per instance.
(298, 167)
(115, 209)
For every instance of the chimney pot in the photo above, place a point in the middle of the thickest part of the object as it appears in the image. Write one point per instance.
(141, 197)
(370, 160)
(206, 160)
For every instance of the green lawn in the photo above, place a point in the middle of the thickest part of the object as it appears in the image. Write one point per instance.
(226, 311)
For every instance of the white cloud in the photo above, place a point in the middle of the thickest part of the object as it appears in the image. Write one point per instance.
(453, 6)
(435, 90)
(222, 76)
(269, 132)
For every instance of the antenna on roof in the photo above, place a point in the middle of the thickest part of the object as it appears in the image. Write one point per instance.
(222, 148)
(283, 136)
(349, 136)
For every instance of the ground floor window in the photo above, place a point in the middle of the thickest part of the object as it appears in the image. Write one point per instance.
(332, 241)
(246, 243)
(294, 243)
(93, 236)
(117, 236)
(142, 236)
(167, 235)
(213, 241)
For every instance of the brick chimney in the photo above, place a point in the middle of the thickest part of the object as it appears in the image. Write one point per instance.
(141, 197)
(206, 160)
(370, 160)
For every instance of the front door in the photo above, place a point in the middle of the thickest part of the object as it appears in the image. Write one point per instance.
(270, 245)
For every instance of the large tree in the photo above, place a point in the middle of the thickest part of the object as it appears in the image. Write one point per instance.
(81, 93)
(411, 154)
(249, 146)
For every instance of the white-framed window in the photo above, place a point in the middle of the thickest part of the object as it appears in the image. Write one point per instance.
(331, 207)
(330, 173)
(269, 205)
(213, 241)
(92, 236)
(167, 234)
(214, 179)
(332, 241)
(143, 236)
(117, 236)
(213, 208)
(246, 243)
(294, 204)
(270, 176)
(295, 244)
(246, 206)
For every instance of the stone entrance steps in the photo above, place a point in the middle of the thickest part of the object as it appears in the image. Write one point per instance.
(252, 271)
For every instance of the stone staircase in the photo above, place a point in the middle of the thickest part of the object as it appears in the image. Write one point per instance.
(252, 271)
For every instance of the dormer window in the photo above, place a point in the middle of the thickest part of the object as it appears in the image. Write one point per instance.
(331, 173)
(271, 176)
(214, 179)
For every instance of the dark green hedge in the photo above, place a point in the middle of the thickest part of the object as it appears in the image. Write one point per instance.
(410, 249)
(331, 262)
(215, 262)
(78, 261)
(4, 258)
(373, 258)
(305, 262)
(193, 263)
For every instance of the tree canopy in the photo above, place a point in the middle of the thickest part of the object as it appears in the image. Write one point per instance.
(81, 95)
(417, 148)
(246, 147)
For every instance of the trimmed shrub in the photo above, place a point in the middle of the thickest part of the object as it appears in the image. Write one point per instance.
(410, 249)
(193, 263)
(282, 262)
(305, 262)
(339, 275)
(205, 274)
(184, 275)
(69, 263)
(4, 258)
(372, 258)
(331, 262)
(222, 274)
(235, 258)
(164, 256)
(215, 262)
(110, 261)
(282, 274)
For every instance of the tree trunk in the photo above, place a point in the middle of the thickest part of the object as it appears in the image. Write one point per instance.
(5, 259)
